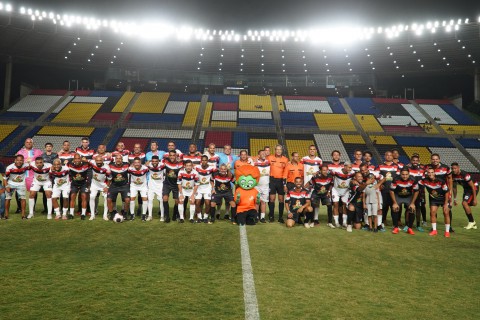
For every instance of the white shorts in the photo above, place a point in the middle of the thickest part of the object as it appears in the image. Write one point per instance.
(187, 193)
(94, 189)
(63, 190)
(36, 186)
(380, 199)
(21, 191)
(264, 192)
(134, 190)
(372, 209)
(336, 197)
(152, 192)
(204, 193)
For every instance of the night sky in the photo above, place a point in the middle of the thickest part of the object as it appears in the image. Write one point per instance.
(241, 15)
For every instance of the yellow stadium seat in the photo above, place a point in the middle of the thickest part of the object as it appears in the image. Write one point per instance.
(61, 131)
(369, 123)
(300, 146)
(251, 102)
(383, 140)
(459, 129)
(353, 139)
(334, 122)
(423, 152)
(280, 103)
(191, 114)
(77, 112)
(224, 124)
(151, 102)
(122, 104)
(207, 115)
(259, 144)
(6, 129)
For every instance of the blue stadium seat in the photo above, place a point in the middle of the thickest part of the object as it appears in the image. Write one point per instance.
(336, 105)
(240, 140)
(470, 143)
(458, 115)
(222, 98)
(113, 141)
(423, 142)
(185, 97)
(362, 105)
(256, 122)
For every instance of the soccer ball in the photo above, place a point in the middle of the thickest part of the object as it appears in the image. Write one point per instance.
(118, 218)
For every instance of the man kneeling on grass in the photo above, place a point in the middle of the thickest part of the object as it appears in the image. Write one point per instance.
(298, 201)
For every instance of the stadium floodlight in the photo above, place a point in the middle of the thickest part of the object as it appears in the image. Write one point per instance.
(448, 28)
(23, 10)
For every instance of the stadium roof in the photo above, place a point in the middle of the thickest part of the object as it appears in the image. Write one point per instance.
(451, 45)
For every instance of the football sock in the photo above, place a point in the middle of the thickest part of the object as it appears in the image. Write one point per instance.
(447, 228)
(262, 215)
(345, 218)
(192, 211)
(181, 210)
(379, 219)
(336, 219)
(132, 206)
(330, 214)
(31, 205)
(434, 226)
(166, 209)
(281, 207)
(317, 210)
(271, 209)
(72, 211)
(84, 211)
(470, 217)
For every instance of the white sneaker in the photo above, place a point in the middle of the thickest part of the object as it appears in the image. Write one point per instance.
(30, 216)
(337, 225)
(306, 225)
(344, 226)
(49, 216)
(312, 224)
(471, 225)
(149, 218)
(349, 228)
(331, 226)
(162, 219)
(92, 217)
(105, 217)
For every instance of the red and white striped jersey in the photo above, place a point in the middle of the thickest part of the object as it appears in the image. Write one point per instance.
(436, 188)
(79, 174)
(60, 177)
(404, 188)
(204, 177)
(213, 160)
(138, 177)
(87, 153)
(187, 180)
(107, 157)
(100, 174)
(43, 174)
(341, 181)
(310, 167)
(15, 176)
(264, 168)
(196, 159)
(156, 176)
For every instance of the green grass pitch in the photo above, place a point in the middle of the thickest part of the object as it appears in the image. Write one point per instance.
(102, 270)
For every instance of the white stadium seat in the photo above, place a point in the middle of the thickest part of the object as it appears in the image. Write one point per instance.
(307, 106)
(327, 143)
(157, 133)
(176, 107)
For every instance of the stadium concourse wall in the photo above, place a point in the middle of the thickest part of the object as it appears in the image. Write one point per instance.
(245, 122)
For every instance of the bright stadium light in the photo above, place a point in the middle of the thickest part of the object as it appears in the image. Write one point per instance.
(8, 7)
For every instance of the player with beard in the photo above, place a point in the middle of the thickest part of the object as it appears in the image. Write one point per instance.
(101, 177)
(355, 206)
(222, 181)
(137, 153)
(204, 190)
(357, 160)
(387, 170)
(138, 184)
(193, 155)
(120, 149)
(60, 177)
(438, 197)
(340, 192)
(263, 166)
(334, 166)
(172, 167)
(443, 173)
(470, 191)
(298, 201)
(41, 179)
(15, 180)
(321, 191)
(403, 192)
(294, 169)
(155, 185)
(102, 152)
(120, 185)
(187, 189)
(80, 183)
(418, 172)
(66, 155)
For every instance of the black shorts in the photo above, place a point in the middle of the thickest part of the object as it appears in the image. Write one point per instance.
(79, 188)
(114, 190)
(217, 197)
(436, 203)
(294, 218)
(468, 196)
(317, 199)
(276, 186)
(359, 212)
(247, 217)
(167, 188)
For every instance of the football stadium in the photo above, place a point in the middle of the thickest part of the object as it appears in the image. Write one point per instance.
(226, 160)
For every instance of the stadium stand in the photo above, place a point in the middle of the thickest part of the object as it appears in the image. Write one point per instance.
(122, 104)
(469, 143)
(20, 116)
(72, 131)
(369, 123)
(260, 143)
(310, 105)
(114, 139)
(207, 115)
(49, 92)
(35, 103)
(423, 153)
(158, 133)
(334, 122)
(77, 113)
(298, 119)
(151, 102)
(250, 102)
(326, 143)
(382, 140)
(438, 114)
(336, 105)
(461, 130)
(297, 145)
(457, 114)
(6, 130)
(176, 107)
(220, 138)
(449, 155)
(191, 114)
(362, 106)
(240, 141)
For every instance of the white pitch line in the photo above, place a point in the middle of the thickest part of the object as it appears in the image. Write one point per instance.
(249, 294)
